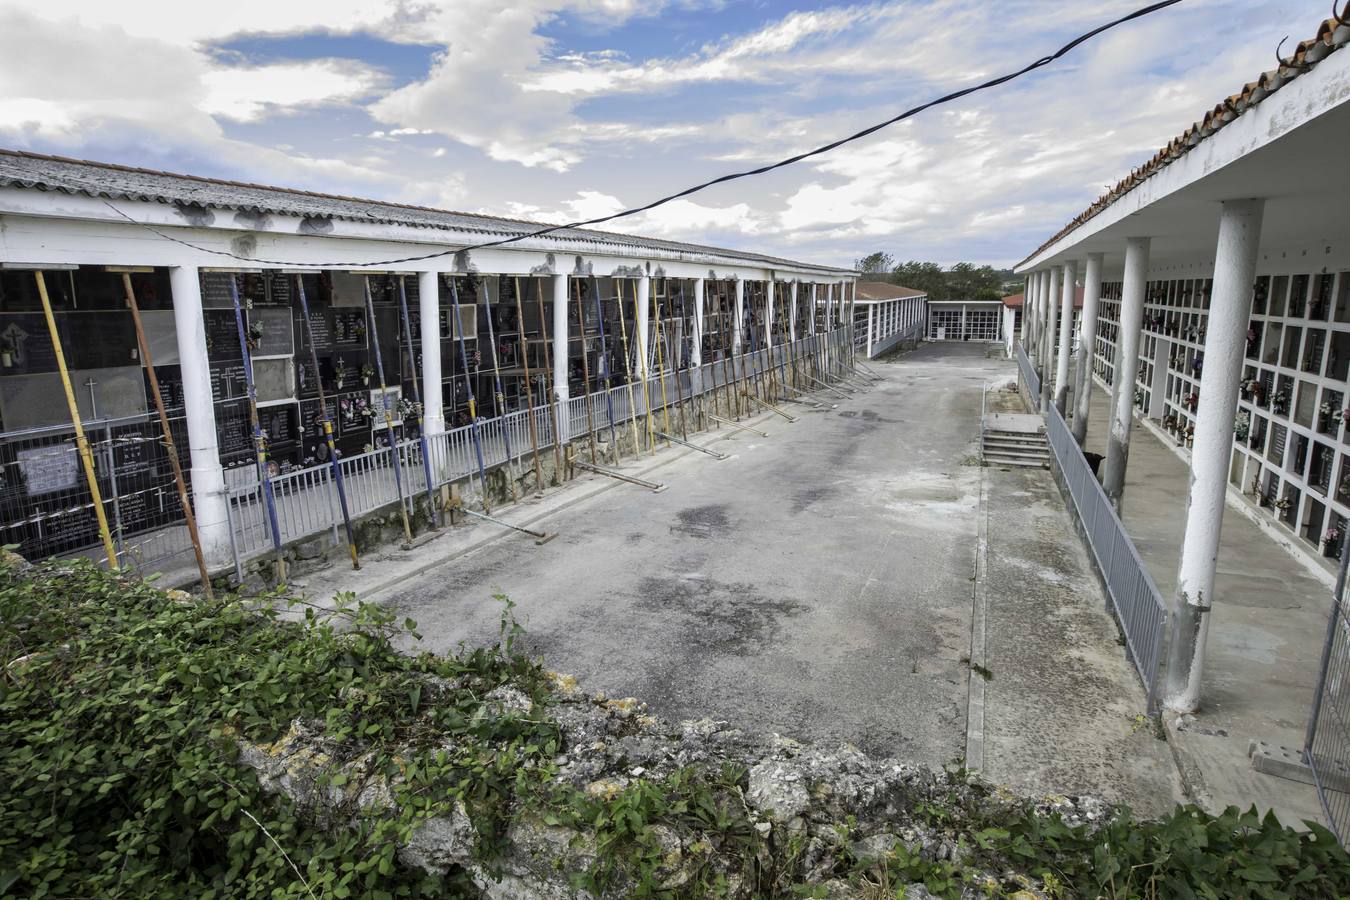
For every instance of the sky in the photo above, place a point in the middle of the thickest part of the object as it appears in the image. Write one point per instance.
(558, 110)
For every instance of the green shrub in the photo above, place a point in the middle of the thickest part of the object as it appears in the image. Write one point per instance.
(121, 705)
(118, 709)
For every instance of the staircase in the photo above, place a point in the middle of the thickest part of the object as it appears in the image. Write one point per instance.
(1007, 447)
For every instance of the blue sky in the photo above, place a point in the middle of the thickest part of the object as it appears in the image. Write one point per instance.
(564, 109)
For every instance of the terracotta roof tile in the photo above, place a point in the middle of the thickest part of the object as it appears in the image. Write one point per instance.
(1332, 35)
(884, 290)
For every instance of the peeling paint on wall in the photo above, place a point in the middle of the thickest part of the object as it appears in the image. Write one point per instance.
(547, 267)
(246, 245)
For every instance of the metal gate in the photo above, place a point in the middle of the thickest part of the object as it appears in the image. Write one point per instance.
(1326, 748)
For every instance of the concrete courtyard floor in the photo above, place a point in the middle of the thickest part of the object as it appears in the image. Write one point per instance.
(819, 584)
(1266, 632)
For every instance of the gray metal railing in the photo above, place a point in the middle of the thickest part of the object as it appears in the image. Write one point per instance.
(1131, 592)
(1326, 747)
(306, 499)
(1028, 372)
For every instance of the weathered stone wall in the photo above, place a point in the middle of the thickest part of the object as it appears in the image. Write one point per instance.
(812, 805)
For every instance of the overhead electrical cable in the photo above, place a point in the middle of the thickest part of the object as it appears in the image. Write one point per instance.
(733, 176)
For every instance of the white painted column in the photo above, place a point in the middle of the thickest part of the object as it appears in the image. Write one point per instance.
(208, 478)
(792, 312)
(1031, 309)
(811, 325)
(871, 328)
(641, 322)
(696, 358)
(561, 392)
(769, 287)
(1126, 363)
(1049, 297)
(1087, 340)
(1026, 297)
(1225, 345)
(1065, 335)
(738, 289)
(1045, 316)
(429, 308)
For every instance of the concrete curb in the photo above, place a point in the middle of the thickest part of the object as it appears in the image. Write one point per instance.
(979, 604)
(1192, 777)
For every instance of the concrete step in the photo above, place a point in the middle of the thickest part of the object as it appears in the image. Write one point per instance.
(1016, 436)
(1016, 447)
(1014, 454)
(1016, 463)
(1007, 441)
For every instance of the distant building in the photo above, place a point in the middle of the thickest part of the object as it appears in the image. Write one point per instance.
(885, 315)
(965, 320)
(1013, 307)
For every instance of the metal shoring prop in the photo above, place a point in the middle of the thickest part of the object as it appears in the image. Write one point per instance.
(499, 397)
(653, 486)
(388, 419)
(679, 355)
(870, 371)
(473, 404)
(417, 401)
(781, 330)
(759, 400)
(604, 366)
(549, 391)
(763, 402)
(725, 408)
(829, 387)
(585, 369)
(738, 425)
(756, 364)
(744, 381)
(627, 370)
(529, 389)
(259, 439)
(188, 518)
(541, 537)
(692, 446)
(661, 360)
(788, 359)
(797, 376)
(327, 422)
(766, 368)
(81, 442)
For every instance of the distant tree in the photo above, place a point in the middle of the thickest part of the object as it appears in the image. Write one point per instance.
(878, 263)
(922, 276)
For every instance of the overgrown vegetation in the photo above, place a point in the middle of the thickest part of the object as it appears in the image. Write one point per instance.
(120, 707)
(962, 281)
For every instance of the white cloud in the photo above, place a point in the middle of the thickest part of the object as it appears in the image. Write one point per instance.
(249, 94)
(543, 130)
